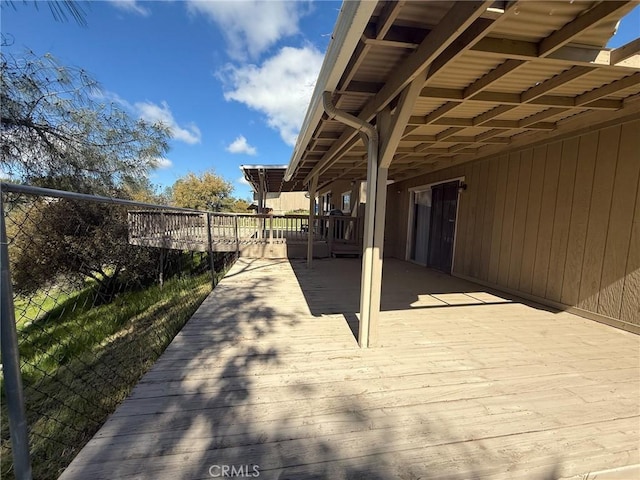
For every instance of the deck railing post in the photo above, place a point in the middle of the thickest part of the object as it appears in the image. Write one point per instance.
(235, 227)
(330, 233)
(163, 229)
(210, 250)
(11, 363)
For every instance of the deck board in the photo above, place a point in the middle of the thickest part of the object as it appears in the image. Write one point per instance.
(467, 383)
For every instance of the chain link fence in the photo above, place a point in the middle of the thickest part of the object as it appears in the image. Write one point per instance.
(91, 311)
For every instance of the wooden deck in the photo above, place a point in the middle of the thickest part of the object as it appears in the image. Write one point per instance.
(468, 384)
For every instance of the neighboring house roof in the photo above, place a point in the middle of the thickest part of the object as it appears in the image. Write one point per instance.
(273, 178)
(488, 80)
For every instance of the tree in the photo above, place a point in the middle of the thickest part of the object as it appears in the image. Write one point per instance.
(59, 9)
(206, 191)
(57, 131)
(238, 205)
(58, 238)
(142, 190)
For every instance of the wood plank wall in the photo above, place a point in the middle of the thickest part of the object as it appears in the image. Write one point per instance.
(559, 222)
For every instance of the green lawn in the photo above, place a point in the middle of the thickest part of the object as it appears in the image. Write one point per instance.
(79, 361)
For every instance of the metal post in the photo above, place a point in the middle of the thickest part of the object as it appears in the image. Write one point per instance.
(210, 251)
(11, 364)
(161, 268)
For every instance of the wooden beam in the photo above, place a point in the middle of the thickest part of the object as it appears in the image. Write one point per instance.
(391, 133)
(390, 43)
(462, 43)
(387, 16)
(400, 36)
(561, 37)
(440, 112)
(538, 117)
(507, 98)
(570, 54)
(491, 114)
(625, 51)
(496, 74)
(361, 88)
(419, 138)
(442, 93)
(610, 89)
(488, 136)
(455, 21)
(516, 124)
(468, 122)
(452, 25)
(554, 82)
(354, 62)
(469, 37)
(449, 132)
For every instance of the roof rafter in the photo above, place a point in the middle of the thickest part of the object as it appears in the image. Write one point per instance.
(570, 54)
(625, 51)
(456, 20)
(611, 88)
(591, 102)
(387, 17)
(596, 15)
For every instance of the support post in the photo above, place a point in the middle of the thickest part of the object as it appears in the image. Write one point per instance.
(367, 313)
(271, 230)
(313, 185)
(378, 252)
(11, 363)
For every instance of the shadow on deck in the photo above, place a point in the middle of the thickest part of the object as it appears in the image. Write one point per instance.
(267, 378)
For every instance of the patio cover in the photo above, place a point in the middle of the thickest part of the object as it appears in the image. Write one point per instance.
(449, 82)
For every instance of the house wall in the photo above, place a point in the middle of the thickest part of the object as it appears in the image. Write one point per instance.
(558, 222)
(286, 201)
(337, 188)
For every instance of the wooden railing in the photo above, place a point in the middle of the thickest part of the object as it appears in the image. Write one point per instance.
(225, 231)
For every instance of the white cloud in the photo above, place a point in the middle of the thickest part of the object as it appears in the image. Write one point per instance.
(163, 163)
(132, 6)
(243, 181)
(154, 113)
(151, 112)
(251, 26)
(280, 88)
(240, 145)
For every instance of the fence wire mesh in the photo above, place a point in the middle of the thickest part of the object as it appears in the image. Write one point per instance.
(93, 312)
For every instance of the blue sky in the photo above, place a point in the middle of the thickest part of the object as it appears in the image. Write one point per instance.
(232, 79)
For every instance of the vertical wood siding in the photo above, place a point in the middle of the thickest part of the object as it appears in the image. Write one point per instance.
(559, 221)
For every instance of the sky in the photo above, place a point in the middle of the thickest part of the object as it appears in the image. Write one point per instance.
(232, 79)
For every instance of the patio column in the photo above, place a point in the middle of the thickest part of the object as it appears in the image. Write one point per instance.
(390, 126)
(371, 255)
(313, 186)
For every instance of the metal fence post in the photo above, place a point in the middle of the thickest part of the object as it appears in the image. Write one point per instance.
(11, 363)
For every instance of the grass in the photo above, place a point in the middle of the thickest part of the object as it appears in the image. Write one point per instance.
(79, 361)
